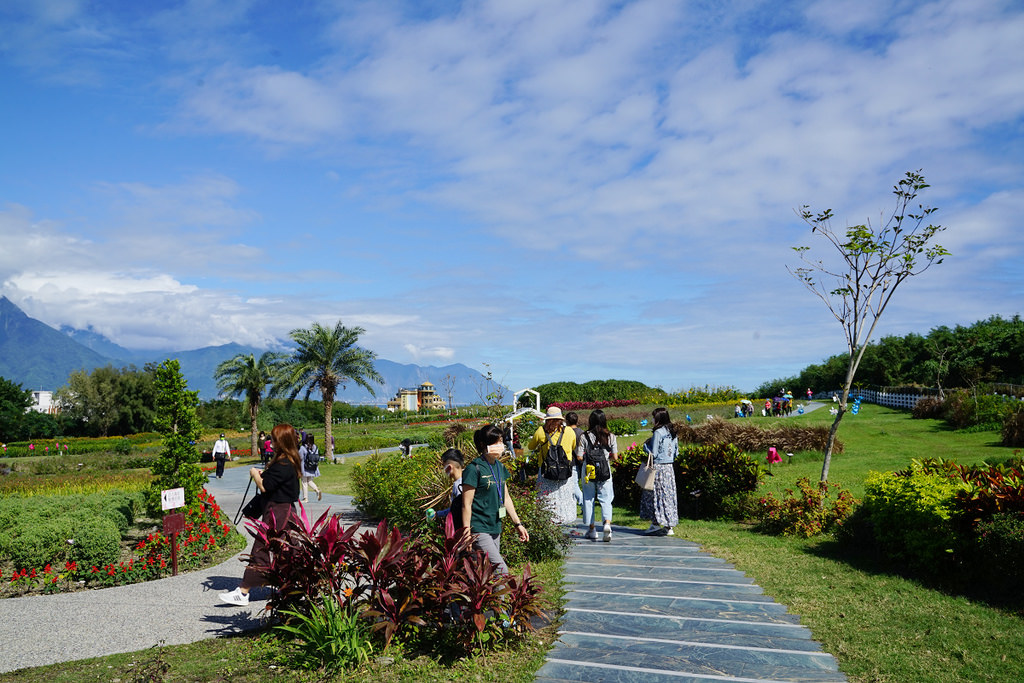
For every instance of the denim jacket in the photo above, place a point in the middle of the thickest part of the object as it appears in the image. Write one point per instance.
(664, 446)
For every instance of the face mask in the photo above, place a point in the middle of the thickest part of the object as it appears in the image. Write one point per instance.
(496, 449)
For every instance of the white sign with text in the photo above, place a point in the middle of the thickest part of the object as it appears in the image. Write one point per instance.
(172, 498)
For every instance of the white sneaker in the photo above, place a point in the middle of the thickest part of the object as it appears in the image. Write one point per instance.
(671, 531)
(591, 534)
(607, 533)
(235, 597)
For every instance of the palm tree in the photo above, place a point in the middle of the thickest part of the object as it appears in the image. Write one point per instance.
(324, 360)
(244, 374)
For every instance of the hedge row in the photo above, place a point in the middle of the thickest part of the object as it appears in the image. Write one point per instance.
(86, 529)
(946, 521)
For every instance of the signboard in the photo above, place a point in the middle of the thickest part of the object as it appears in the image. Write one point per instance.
(174, 523)
(172, 498)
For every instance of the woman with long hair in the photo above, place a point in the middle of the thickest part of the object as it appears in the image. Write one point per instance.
(279, 484)
(599, 441)
(308, 455)
(556, 494)
(659, 505)
(486, 499)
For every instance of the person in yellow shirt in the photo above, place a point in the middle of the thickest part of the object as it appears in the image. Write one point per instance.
(556, 484)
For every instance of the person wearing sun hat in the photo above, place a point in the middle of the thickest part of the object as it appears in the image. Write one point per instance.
(556, 495)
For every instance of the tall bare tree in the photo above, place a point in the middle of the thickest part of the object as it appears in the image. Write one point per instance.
(448, 384)
(872, 263)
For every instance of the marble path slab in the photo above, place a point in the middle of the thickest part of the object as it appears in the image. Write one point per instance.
(657, 609)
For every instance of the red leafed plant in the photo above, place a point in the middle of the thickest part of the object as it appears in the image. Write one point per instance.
(402, 585)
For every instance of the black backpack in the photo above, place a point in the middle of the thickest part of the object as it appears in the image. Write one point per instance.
(557, 466)
(597, 455)
(312, 459)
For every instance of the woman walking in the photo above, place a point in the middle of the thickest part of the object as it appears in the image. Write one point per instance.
(279, 484)
(556, 494)
(310, 456)
(485, 497)
(598, 443)
(660, 504)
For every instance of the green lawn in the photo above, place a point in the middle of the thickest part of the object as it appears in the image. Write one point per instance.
(881, 439)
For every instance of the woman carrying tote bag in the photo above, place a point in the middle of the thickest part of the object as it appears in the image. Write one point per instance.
(659, 505)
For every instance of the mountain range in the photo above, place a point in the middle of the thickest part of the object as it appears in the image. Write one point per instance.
(38, 356)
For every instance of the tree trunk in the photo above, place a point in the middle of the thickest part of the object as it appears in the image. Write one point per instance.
(254, 410)
(328, 444)
(832, 440)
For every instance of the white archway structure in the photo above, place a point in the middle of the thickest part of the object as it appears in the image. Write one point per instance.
(519, 412)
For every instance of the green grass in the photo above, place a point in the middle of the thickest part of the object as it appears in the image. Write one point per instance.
(879, 626)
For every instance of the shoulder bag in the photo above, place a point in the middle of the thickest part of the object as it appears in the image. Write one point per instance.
(645, 475)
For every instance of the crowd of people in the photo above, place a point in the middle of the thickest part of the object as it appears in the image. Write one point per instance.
(575, 471)
(781, 405)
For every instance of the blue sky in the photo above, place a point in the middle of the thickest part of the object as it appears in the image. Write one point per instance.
(562, 190)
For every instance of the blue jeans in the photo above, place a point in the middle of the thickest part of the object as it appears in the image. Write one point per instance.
(604, 493)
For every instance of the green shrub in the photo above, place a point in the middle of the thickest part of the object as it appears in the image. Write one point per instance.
(329, 638)
(929, 408)
(999, 556)
(97, 542)
(1013, 429)
(623, 427)
(388, 486)
(627, 493)
(910, 515)
(37, 529)
(807, 515)
(547, 540)
(717, 472)
(36, 544)
(741, 506)
(978, 412)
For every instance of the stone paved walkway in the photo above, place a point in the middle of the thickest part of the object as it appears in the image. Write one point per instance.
(657, 609)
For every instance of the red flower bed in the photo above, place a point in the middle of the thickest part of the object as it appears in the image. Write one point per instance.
(206, 529)
(441, 422)
(593, 405)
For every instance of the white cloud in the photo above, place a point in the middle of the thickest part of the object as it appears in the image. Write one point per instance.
(616, 166)
(438, 353)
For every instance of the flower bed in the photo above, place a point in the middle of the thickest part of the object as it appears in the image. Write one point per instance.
(594, 405)
(206, 530)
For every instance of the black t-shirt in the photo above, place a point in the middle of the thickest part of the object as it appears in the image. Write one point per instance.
(281, 483)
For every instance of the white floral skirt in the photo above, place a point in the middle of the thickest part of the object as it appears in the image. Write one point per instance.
(559, 498)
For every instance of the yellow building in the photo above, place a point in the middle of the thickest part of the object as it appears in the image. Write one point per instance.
(412, 400)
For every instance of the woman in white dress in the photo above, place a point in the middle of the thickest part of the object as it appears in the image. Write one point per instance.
(555, 493)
